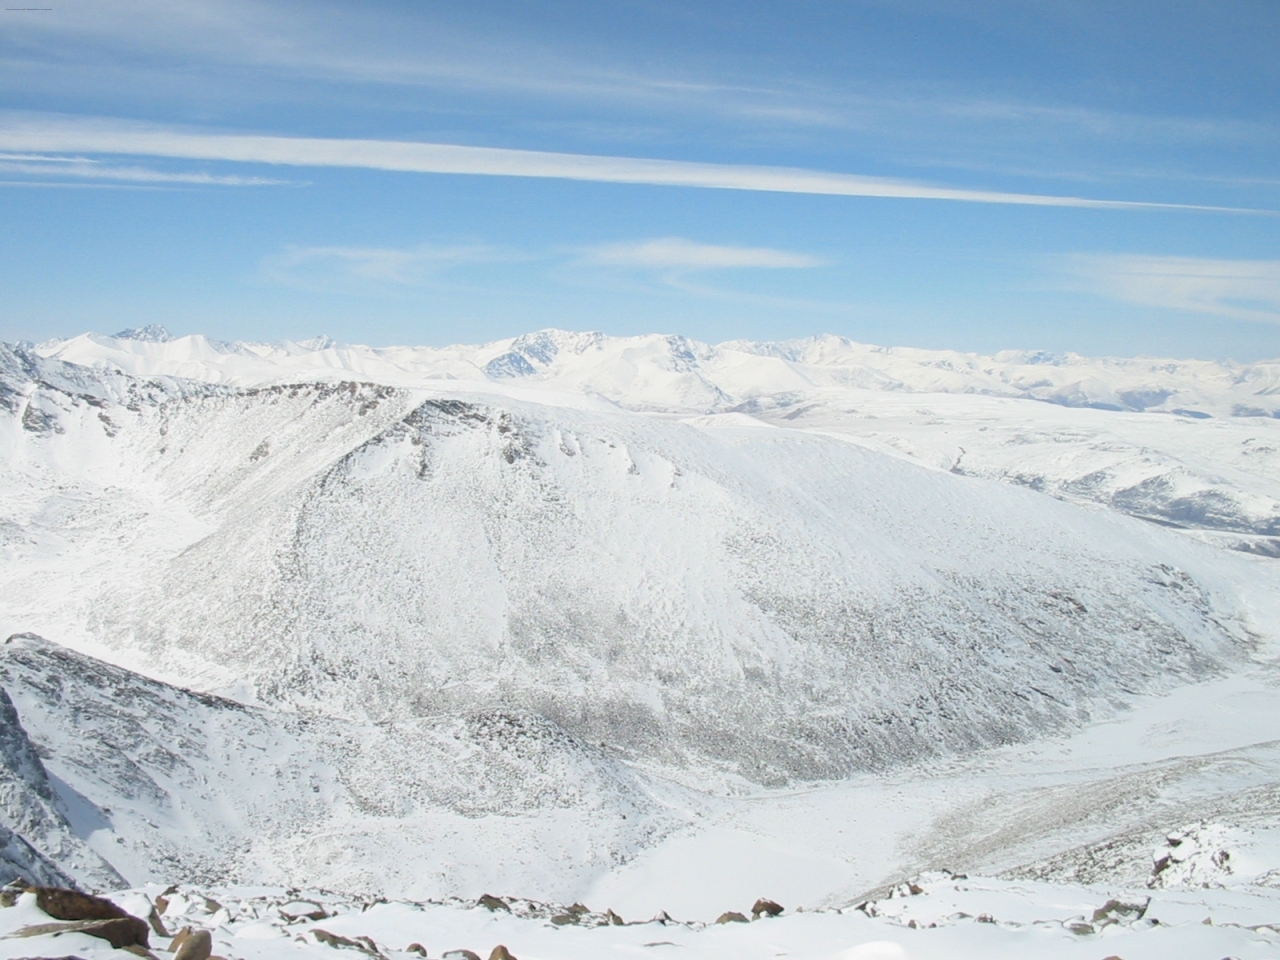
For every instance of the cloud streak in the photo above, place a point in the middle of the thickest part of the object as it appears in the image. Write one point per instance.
(379, 265)
(679, 253)
(87, 169)
(1234, 289)
(18, 134)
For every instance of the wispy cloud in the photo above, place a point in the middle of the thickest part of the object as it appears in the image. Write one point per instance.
(22, 133)
(83, 168)
(679, 253)
(388, 266)
(1235, 289)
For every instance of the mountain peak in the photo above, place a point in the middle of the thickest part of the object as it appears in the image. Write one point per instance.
(151, 333)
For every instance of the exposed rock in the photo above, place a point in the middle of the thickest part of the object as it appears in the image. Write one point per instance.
(303, 910)
(121, 932)
(417, 948)
(363, 944)
(196, 945)
(767, 907)
(493, 903)
(1115, 911)
(36, 841)
(63, 904)
(731, 916)
(501, 953)
(162, 901)
(461, 955)
(157, 924)
(613, 918)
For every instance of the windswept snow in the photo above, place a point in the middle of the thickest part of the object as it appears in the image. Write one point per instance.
(645, 622)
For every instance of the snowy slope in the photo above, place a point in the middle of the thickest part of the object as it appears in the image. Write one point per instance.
(768, 603)
(1206, 459)
(570, 616)
(164, 782)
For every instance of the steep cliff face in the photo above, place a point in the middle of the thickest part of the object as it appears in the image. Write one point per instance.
(39, 843)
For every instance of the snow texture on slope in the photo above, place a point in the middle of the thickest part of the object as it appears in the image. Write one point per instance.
(191, 785)
(477, 607)
(769, 604)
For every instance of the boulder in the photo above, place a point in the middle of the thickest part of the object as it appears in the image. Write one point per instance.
(766, 907)
(303, 910)
(501, 953)
(731, 916)
(193, 945)
(157, 925)
(120, 933)
(363, 944)
(1117, 911)
(493, 903)
(63, 904)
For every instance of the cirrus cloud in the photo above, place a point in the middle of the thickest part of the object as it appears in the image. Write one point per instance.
(679, 253)
(62, 135)
(1235, 289)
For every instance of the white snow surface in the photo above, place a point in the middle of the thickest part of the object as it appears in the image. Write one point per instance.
(650, 625)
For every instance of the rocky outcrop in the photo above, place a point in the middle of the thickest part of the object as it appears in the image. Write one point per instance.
(37, 842)
(81, 913)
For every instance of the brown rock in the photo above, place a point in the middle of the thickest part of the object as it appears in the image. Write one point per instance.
(363, 944)
(179, 939)
(138, 951)
(1116, 911)
(157, 925)
(120, 933)
(767, 907)
(417, 948)
(196, 945)
(731, 916)
(493, 903)
(501, 953)
(303, 909)
(461, 955)
(62, 904)
(613, 918)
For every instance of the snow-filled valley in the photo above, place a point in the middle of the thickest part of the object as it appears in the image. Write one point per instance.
(647, 625)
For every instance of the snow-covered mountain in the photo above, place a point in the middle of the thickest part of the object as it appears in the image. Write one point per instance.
(676, 374)
(554, 598)
(1220, 478)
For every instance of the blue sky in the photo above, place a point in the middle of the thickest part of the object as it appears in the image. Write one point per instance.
(979, 176)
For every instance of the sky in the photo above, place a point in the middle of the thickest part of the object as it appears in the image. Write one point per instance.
(1087, 176)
